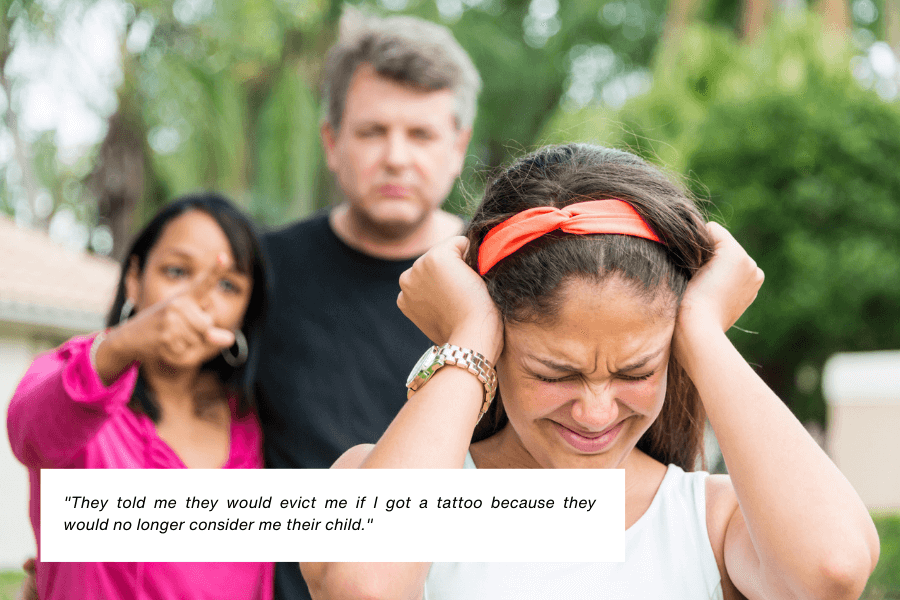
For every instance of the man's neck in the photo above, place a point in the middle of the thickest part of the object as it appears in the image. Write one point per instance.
(437, 227)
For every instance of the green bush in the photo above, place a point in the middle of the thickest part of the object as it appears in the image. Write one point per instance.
(801, 165)
(885, 581)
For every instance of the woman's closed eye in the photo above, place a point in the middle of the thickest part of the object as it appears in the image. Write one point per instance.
(571, 377)
(643, 377)
(558, 379)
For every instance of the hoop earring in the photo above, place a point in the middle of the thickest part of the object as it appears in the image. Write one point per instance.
(236, 360)
(127, 310)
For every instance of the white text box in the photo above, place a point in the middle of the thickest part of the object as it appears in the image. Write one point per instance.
(332, 515)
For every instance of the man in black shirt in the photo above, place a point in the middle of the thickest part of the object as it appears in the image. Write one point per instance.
(400, 96)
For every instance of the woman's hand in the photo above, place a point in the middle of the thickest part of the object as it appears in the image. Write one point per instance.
(449, 301)
(28, 591)
(721, 291)
(176, 331)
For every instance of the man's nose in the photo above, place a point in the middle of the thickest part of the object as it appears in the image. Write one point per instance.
(398, 151)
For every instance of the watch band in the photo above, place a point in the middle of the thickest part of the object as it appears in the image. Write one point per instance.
(465, 358)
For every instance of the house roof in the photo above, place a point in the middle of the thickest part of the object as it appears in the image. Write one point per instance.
(46, 285)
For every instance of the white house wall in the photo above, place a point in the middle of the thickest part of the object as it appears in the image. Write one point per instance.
(17, 350)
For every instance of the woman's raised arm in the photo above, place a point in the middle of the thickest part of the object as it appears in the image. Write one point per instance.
(801, 530)
(449, 302)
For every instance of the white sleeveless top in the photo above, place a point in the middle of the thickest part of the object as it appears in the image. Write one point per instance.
(667, 556)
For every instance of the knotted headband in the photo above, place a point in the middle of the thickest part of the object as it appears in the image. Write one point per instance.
(593, 216)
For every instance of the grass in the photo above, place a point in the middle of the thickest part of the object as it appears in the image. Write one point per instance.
(9, 584)
(884, 584)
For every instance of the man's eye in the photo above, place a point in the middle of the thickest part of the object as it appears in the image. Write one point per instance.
(370, 132)
(421, 134)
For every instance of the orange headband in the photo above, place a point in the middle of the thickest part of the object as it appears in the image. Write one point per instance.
(594, 216)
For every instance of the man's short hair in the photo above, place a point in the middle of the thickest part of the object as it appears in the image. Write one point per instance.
(406, 49)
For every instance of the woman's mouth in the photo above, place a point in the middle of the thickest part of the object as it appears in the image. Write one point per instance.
(589, 443)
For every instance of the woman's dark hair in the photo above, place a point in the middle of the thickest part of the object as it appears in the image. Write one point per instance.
(525, 286)
(249, 259)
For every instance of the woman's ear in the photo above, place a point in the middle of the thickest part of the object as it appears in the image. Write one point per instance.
(133, 281)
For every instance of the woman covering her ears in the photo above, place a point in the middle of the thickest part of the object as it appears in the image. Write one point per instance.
(590, 299)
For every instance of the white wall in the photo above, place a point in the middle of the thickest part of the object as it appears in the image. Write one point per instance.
(17, 350)
(862, 390)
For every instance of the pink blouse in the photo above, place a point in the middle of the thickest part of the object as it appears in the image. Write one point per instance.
(63, 416)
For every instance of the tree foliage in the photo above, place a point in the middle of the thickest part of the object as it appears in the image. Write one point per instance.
(225, 94)
(800, 164)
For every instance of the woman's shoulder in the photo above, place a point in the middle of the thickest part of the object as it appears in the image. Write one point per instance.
(354, 457)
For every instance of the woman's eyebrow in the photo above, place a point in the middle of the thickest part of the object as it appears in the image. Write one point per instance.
(179, 252)
(637, 364)
(188, 255)
(553, 365)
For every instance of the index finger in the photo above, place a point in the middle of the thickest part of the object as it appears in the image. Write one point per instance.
(461, 243)
(210, 278)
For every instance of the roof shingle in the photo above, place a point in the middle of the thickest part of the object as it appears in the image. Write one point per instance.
(37, 273)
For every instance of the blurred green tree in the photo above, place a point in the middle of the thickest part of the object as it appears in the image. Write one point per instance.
(225, 94)
(221, 95)
(800, 163)
(26, 14)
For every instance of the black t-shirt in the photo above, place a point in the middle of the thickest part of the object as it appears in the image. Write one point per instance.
(335, 354)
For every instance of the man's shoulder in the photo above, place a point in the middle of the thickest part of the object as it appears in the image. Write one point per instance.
(292, 238)
(315, 222)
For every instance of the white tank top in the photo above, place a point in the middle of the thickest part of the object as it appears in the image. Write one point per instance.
(667, 555)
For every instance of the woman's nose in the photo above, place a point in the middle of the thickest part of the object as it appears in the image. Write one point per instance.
(597, 408)
(205, 300)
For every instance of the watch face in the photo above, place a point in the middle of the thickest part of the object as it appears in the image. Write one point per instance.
(422, 370)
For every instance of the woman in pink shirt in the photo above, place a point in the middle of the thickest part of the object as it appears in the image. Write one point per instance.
(168, 386)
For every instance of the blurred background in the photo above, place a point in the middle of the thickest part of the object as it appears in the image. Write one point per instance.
(783, 116)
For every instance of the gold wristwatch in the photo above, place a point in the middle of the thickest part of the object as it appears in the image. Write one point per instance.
(448, 354)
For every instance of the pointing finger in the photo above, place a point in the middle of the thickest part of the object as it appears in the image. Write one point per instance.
(222, 338)
(203, 324)
(196, 317)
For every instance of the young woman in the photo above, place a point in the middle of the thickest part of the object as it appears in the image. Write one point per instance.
(168, 385)
(593, 284)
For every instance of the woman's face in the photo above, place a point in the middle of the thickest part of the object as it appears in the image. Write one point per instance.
(187, 250)
(580, 391)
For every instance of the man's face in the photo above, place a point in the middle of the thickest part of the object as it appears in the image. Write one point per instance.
(396, 154)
